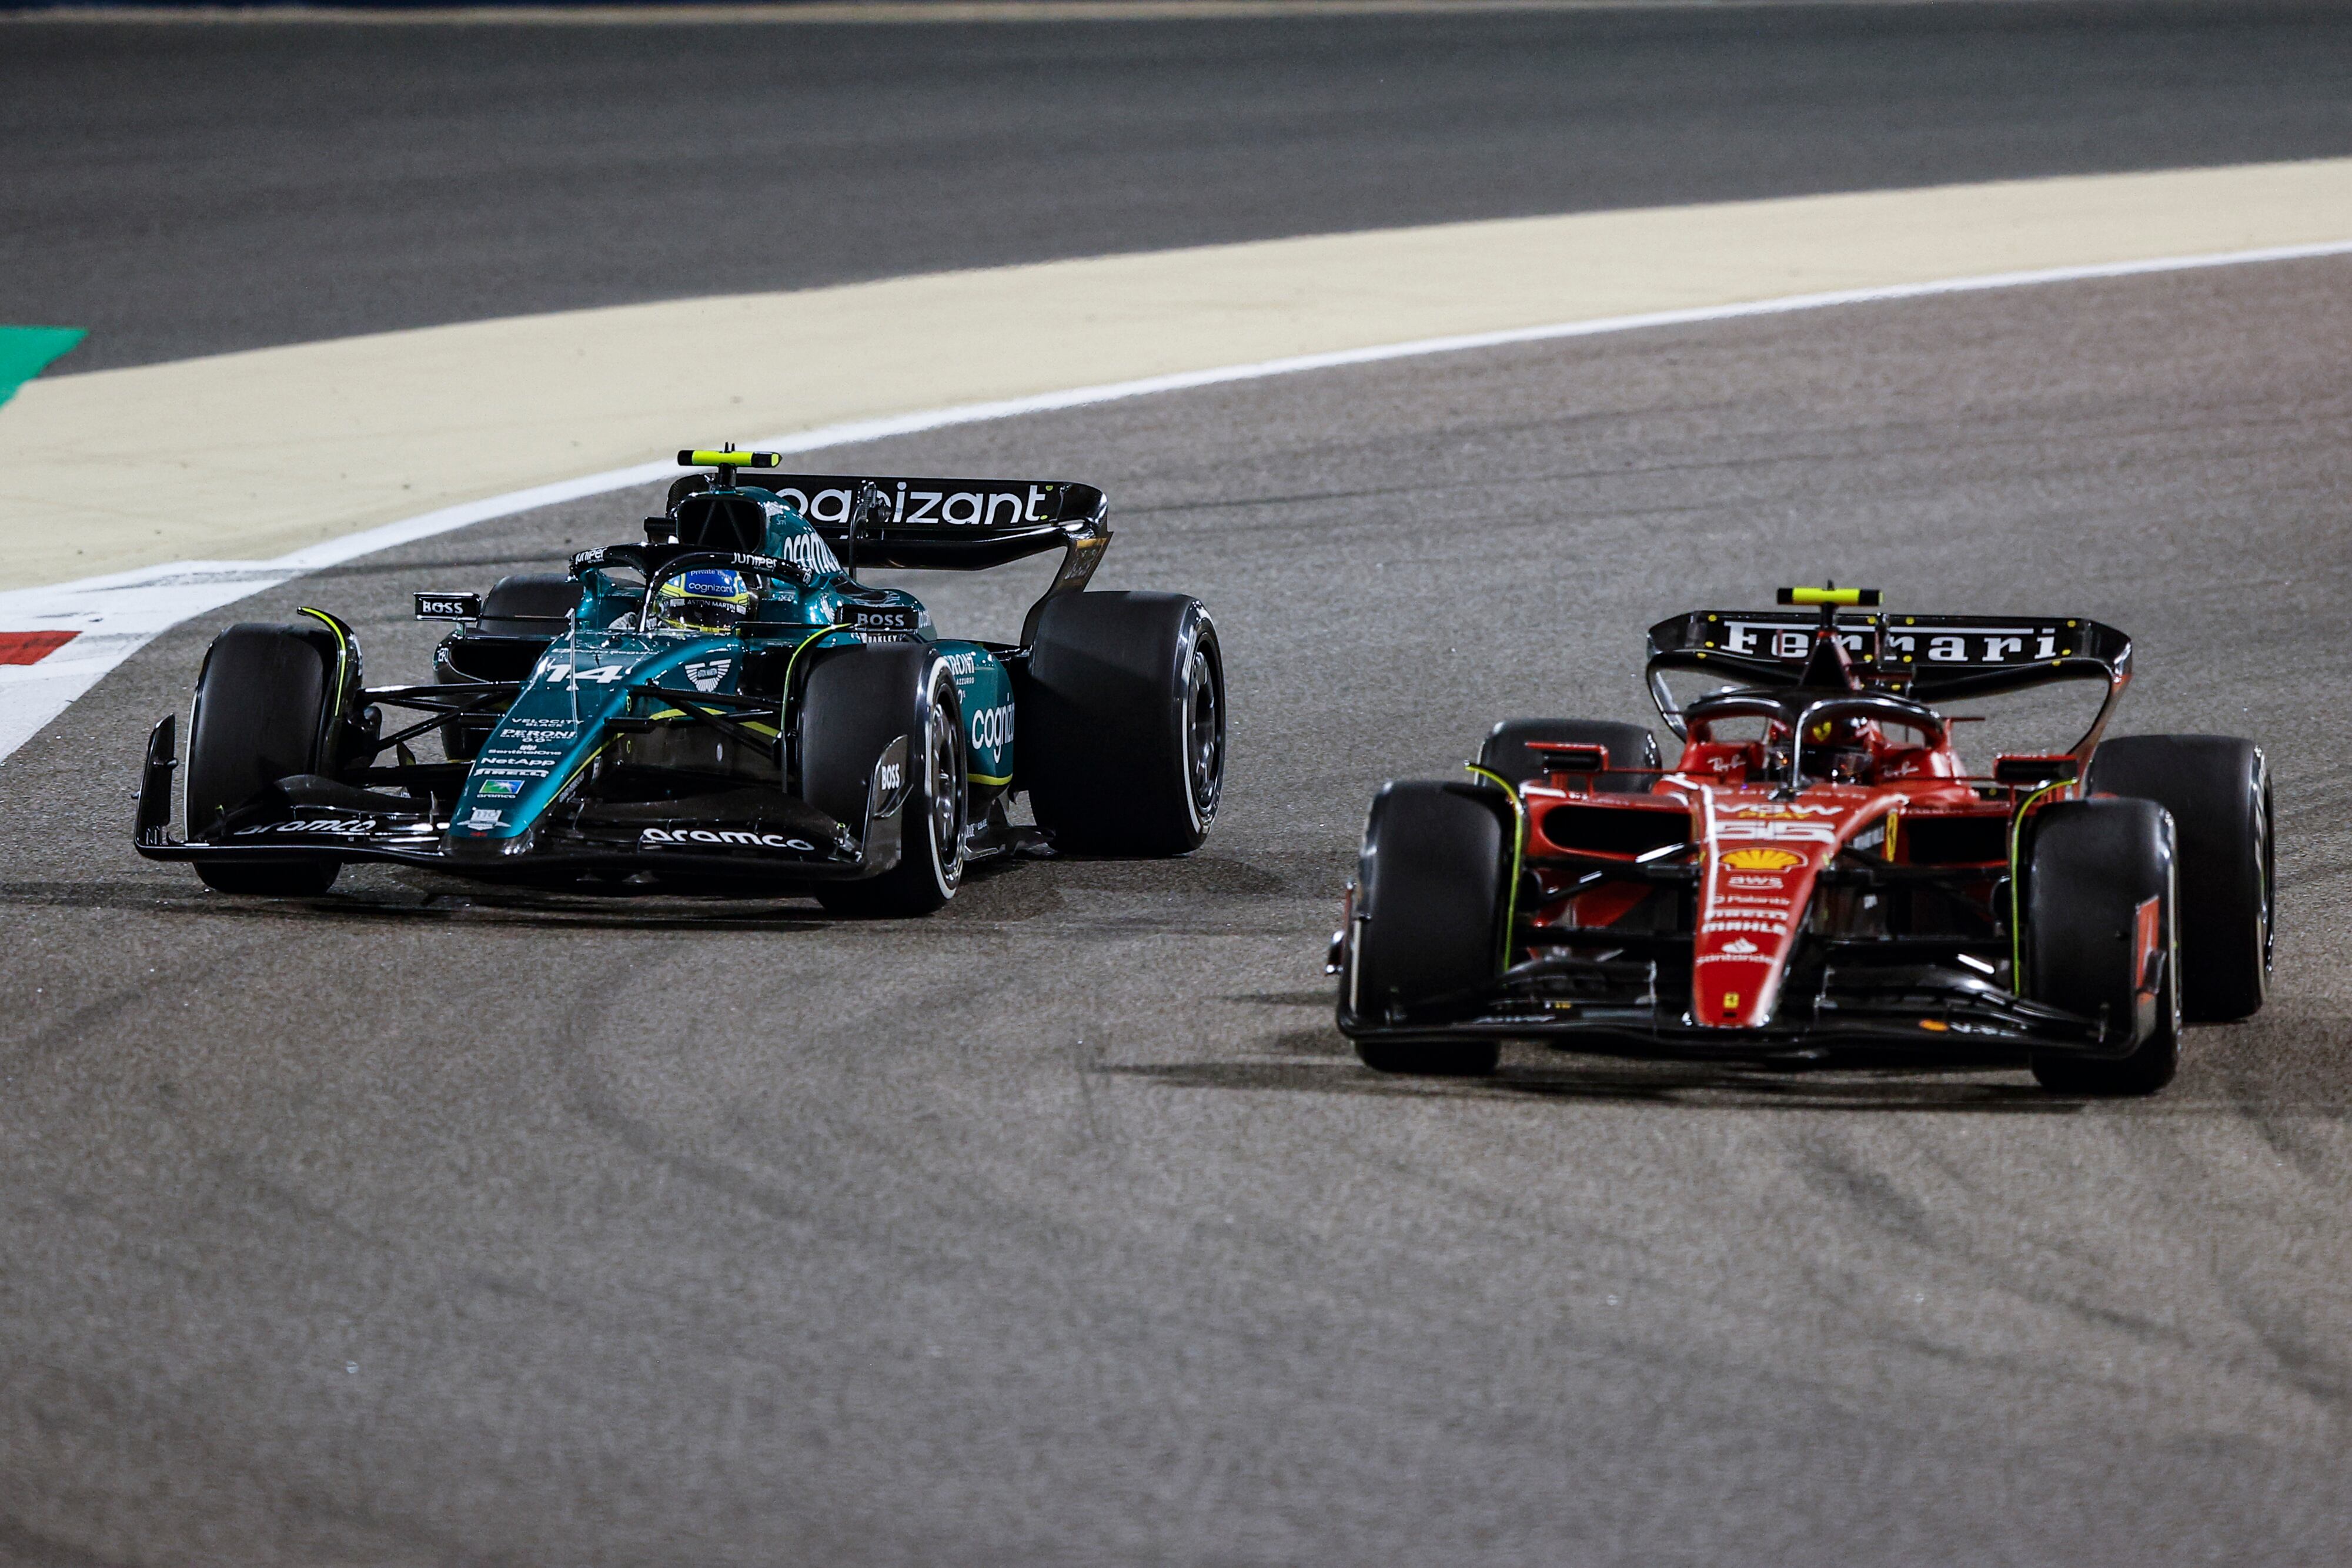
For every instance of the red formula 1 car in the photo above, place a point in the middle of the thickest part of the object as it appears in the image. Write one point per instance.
(1819, 878)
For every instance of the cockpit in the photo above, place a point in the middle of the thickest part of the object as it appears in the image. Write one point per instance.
(1799, 737)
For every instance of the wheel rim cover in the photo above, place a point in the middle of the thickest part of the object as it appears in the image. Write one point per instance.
(939, 746)
(1204, 737)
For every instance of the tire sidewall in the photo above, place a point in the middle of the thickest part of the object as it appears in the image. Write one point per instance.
(1199, 637)
(944, 868)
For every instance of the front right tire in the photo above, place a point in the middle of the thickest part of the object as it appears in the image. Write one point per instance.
(857, 701)
(2094, 866)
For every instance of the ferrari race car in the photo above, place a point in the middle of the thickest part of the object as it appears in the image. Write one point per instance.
(1819, 878)
(722, 705)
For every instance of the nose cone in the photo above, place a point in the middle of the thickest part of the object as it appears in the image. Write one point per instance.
(1763, 855)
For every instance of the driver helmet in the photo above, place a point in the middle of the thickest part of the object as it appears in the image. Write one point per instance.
(1842, 748)
(712, 599)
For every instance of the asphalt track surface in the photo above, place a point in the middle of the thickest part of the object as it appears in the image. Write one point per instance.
(429, 1224)
(192, 189)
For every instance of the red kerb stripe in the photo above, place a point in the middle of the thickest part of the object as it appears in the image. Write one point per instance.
(32, 647)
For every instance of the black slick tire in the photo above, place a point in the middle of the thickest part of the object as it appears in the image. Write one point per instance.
(1431, 882)
(266, 709)
(2218, 789)
(1630, 746)
(1120, 723)
(2092, 865)
(857, 701)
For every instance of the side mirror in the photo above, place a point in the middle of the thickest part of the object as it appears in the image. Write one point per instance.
(872, 504)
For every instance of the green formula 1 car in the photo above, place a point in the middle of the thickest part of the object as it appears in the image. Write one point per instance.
(722, 704)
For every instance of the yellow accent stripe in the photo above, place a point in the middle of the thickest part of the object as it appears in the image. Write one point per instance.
(343, 649)
(792, 662)
(753, 724)
(2016, 924)
(1518, 849)
(571, 776)
(984, 779)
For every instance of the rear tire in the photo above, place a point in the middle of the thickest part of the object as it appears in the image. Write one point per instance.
(2218, 789)
(857, 702)
(1430, 903)
(1507, 752)
(1121, 723)
(266, 709)
(2092, 865)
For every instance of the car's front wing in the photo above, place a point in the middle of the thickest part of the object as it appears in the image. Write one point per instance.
(795, 843)
(1629, 1005)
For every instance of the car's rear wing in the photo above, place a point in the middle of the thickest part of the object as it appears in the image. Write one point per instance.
(1929, 658)
(929, 524)
(1933, 656)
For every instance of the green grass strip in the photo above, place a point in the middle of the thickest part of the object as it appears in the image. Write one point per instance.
(26, 352)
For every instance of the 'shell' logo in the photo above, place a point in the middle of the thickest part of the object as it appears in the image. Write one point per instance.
(1762, 860)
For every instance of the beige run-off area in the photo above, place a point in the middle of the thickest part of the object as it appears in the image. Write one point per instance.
(253, 455)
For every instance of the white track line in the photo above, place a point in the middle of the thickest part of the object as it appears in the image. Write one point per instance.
(113, 617)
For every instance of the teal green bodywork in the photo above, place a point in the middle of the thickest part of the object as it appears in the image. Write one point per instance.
(559, 723)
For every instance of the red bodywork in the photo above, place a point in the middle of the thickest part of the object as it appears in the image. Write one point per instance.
(1816, 871)
(1760, 850)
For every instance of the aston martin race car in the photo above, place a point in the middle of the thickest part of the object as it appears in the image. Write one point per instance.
(1819, 878)
(721, 705)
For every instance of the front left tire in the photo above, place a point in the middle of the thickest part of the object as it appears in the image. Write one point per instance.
(266, 707)
(1431, 885)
